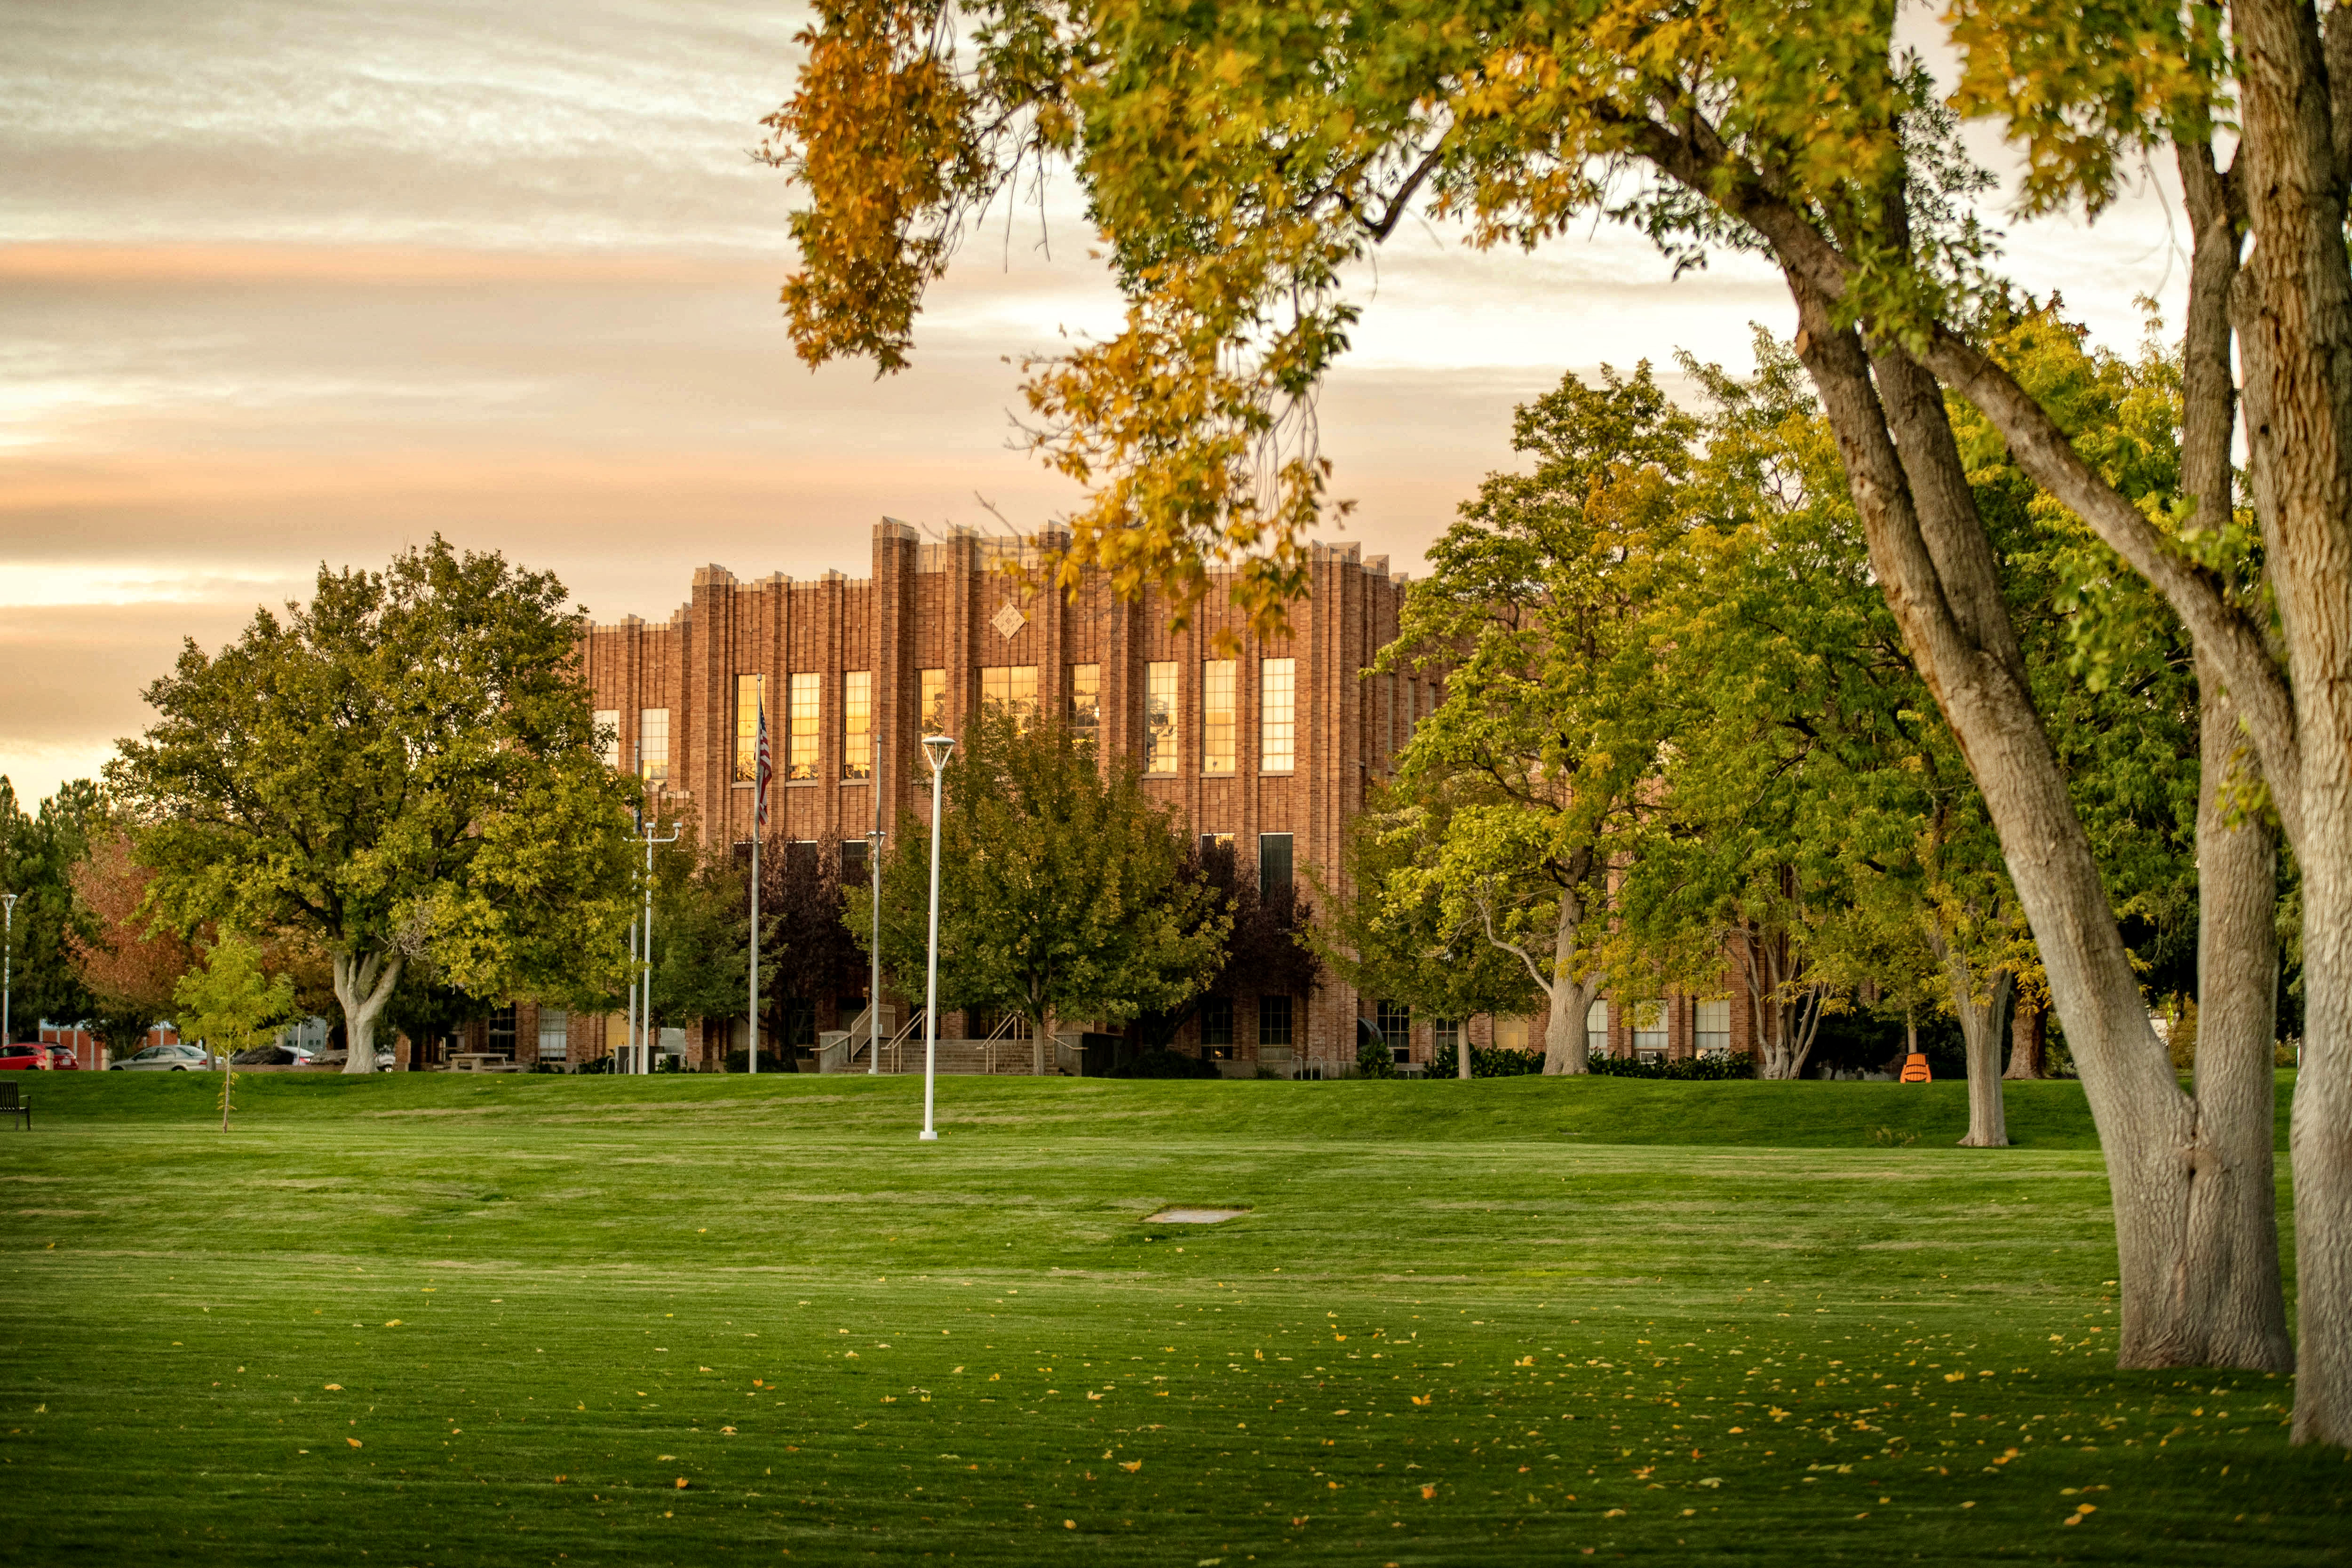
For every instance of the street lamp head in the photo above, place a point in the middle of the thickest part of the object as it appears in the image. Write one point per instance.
(937, 748)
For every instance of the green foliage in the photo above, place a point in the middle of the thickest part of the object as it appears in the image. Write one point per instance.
(1374, 1059)
(701, 932)
(37, 853)
(230, 1002)
(231, 1006)
(407, 764)
(1393, 938)
(1062, 892)
(1687, 1070)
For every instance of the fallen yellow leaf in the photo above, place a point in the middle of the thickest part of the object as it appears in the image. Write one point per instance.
(354, 1442)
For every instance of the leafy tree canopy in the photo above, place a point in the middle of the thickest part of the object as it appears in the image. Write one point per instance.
(1062, 887)
(406, 764)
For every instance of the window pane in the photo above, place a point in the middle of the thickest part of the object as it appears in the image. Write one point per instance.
(751, 691)
(1510, 1034)
(554, 1031)
(1444, 1034)
(1394, 1021)
(934, 710)
(608, 736)
(801, 754)
(653, 743)
(1596, 1030)
(1216, 1021)
(1711, 1028)
(1649, 1026)
(1273, 1020)
(1273, 863)
(1278, 714)
(1085, 707)
(853, 863)
(1159, 719)
(1217, 716)
(857, 724)
(1011, 687)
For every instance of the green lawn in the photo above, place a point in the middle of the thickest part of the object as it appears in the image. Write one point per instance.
(436, 1320)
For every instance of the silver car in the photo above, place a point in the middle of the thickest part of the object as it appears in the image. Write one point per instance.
(168, 1058)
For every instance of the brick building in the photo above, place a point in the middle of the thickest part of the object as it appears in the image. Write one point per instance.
(1272, 746)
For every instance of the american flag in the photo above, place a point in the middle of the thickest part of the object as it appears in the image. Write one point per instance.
(767, 767)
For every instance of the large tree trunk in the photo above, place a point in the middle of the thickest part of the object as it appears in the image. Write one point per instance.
(2232, 1282)
(2028, 1046)
(1569, 996)
(1935, 567)
(363, 984)
(1981, 1037)
(2295, 329)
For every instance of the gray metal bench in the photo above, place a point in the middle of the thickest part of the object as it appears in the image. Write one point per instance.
(13, 1103)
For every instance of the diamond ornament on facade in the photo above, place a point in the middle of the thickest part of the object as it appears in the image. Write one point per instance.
(1008, 621)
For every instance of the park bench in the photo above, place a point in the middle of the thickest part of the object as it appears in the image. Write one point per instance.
(12, 1103)
(485, 1061)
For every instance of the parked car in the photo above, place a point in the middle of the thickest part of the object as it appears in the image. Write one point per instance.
(168, 1058)
(275, 1056)
(384, 1059)
(26, 1058)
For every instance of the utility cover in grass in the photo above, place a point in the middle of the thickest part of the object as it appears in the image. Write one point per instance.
(1193, 1216)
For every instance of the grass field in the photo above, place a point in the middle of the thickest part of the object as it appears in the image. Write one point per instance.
(440, 1319)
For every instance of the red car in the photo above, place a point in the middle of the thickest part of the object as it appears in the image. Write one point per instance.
(32, 1057)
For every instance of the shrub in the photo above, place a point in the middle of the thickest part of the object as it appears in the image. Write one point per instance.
(1373, 1059)
(1500, 1062)
(1702, 1069)
(1158, 1062)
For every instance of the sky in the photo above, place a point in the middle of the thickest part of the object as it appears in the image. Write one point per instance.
(285, 283)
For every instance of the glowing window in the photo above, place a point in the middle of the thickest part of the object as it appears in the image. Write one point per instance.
(801, 711)
(1217, 716)
(1013, 687)
(1084, 707)
(1278, 714)
(751, 691)
(934, 714)
(653, 743)
(857, 724)
(1160, 718)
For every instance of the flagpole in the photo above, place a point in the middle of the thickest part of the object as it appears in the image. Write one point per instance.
(755, 949)
(758, 830)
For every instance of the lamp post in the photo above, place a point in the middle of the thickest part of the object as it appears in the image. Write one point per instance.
(937, 748)
(9, 971)
(874, 869)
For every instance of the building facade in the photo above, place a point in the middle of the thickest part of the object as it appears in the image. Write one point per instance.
(1268, 744)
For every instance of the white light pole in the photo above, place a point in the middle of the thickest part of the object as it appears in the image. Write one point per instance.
(873, 867)
(937, 748)
(9, 972)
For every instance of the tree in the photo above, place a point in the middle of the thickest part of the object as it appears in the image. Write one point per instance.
(131, 960)
(1269, 947)
(1544, 752)
(1238, 160)
(405, 766)
(232, 1004)
(805, 932)
(702, 926)
(1395, 936)
(1061, 892)
(37, 855)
